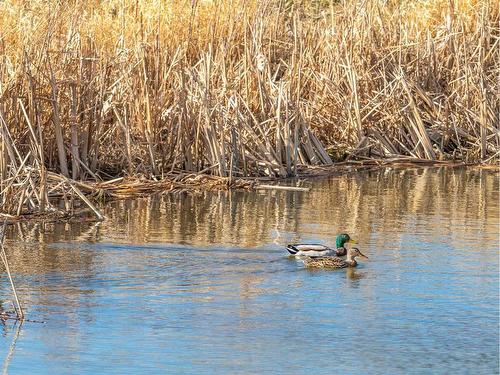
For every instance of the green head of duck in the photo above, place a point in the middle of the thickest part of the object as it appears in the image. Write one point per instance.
(342, 239)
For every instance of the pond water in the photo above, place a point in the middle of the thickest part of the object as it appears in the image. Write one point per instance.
(201, 283)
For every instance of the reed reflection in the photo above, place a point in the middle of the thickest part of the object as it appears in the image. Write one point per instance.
(12, 347)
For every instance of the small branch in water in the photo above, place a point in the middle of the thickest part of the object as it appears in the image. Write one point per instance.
(281, 187)
(87, 202)
(3, 255)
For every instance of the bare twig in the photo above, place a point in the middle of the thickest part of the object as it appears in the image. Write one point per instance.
(3, 256)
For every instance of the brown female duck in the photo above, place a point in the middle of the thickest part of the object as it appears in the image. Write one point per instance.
(334, 262)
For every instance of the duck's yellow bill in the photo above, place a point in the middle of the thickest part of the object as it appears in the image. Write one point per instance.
(352, 241)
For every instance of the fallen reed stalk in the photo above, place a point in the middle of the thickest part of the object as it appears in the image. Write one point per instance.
(3, 256)
(280, 187)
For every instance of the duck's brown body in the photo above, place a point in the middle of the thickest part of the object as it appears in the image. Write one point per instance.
(328, 262)
(334, 262)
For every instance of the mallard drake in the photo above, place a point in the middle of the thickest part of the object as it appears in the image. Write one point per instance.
(334, 262)
(316, 250)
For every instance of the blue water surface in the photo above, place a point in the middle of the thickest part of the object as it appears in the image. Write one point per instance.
(201, 284)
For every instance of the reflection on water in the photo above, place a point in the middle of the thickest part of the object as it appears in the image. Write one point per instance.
(200, 283)
(17, 330)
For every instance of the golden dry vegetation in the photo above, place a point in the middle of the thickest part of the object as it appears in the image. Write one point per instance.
(98, 89)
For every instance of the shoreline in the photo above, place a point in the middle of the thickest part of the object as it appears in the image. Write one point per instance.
(81, 198)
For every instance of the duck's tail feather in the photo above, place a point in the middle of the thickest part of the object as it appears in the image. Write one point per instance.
(292, 249)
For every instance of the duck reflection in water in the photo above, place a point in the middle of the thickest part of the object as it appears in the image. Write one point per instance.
(353, 274)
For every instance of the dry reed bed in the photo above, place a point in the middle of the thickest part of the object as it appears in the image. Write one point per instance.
(96, 90)
(51, 196)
